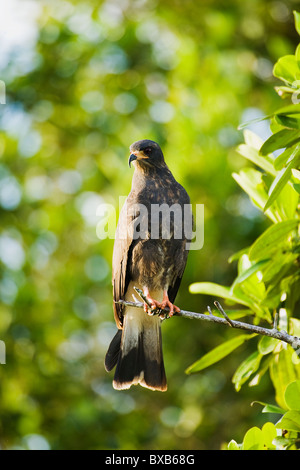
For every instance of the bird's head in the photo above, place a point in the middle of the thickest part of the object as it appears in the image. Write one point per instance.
(146, 154)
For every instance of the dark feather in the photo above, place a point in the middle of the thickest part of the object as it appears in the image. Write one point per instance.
(141, 359)
(112, 354)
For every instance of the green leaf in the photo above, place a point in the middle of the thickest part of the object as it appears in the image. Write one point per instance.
(267, 408)
(290, 421)
(287, 202)
(246, 369)
(287, 121)
(233, 445)
(297, 55)
(269, 433)
(271, 239)
(297, 21)
(273, 409)
(289, 110)
(267, 344)
(283, 159)
(252, 154)
(247, 281)
(254, 121)
(238, 254)
(284, 91)
(253, 439)
(218, 353)
(282, 373)
(282, 178)
(286, 68)
(297, 187)
(278, 184)
(281, 442)
(250, 271)
(292, 395)
(282, 139)
(209, 288)
(251, 182)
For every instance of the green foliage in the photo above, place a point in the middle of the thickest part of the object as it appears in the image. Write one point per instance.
(269, 270)
(267, 438)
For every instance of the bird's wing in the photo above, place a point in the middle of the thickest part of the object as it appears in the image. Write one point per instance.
(121, 256)
(173, 288)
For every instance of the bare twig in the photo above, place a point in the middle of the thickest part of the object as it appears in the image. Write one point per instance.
(294, 341)
(221, 310)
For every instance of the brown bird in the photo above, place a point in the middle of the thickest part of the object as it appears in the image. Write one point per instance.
(150, 252)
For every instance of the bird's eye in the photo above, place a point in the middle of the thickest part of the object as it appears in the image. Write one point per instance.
(148, 150)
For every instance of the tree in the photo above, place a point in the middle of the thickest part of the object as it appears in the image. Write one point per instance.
(268, 280)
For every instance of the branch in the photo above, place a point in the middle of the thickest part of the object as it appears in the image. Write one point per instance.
(282, 335)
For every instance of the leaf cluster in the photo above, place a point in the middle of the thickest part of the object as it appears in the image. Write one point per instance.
(268, 271)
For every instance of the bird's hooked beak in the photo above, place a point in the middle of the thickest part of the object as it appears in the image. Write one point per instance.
(132, 158)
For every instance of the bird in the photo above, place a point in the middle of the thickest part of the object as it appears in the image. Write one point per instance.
(149, 257)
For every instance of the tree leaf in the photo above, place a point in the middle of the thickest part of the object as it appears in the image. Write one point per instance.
(218, 353)
(292, 395)
(251, 182)
(289, 110)
(253, 439)
(297, 21)
(287, 121)
(282, 373)
(267, 344)
(249, 272)
(297, 187)
(290, 421)
(246, 369)
(283, 159)
(233, 445)
(252, 154)
(268, 242)
(210, 288)
(267, 408)
(278, 184)
(286, 68)
(282, 139)
(269, 434)
(272, 409)
(282, 177)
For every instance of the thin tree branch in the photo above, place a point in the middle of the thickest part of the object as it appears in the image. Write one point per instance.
(281, 335)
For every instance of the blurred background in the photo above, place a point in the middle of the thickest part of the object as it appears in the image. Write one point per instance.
(83, 80)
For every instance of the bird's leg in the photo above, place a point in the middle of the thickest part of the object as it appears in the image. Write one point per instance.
(166, 303)
(152, 303)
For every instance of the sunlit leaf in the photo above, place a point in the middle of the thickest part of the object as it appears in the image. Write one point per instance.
(218, 353)
(292, 395)
(290, 421)
(282, 139)
(246, 369)
(297, 20)
(286, 68)
(269, 241)
(253, 439)
(209, 288)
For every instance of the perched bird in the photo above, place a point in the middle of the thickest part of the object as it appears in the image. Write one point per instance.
(150, 252)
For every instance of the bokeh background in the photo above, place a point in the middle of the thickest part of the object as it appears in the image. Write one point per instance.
(85, 79)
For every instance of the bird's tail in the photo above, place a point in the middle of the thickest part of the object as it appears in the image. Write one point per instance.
(136, 350)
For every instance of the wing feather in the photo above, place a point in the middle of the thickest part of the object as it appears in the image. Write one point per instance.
(121, 257)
